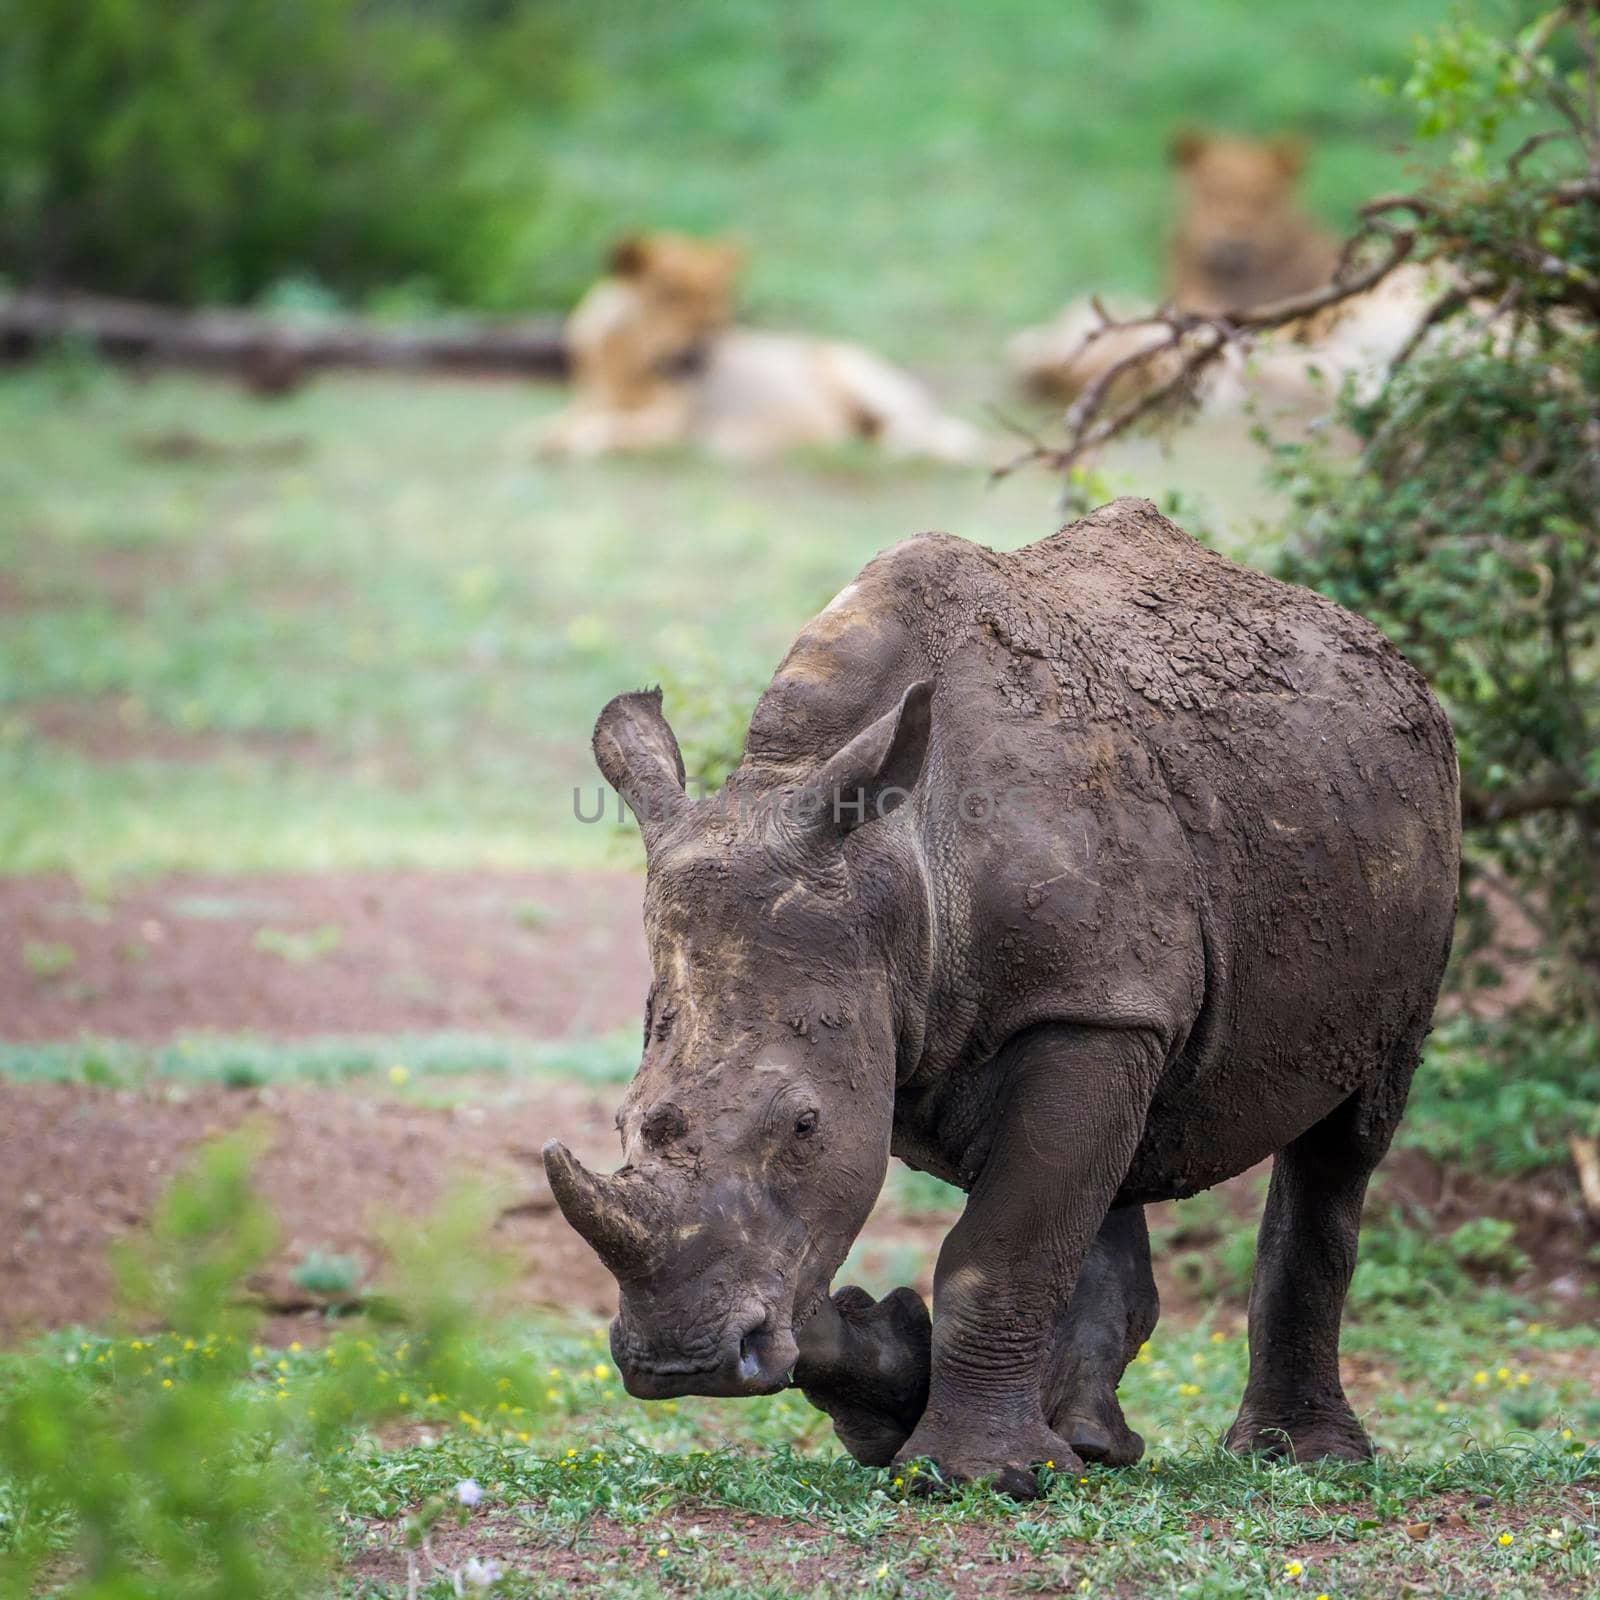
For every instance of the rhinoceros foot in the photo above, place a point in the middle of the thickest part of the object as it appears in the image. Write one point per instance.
(1317, 1432)
(865, 1363)
(1099, 1432)
(972, 1450)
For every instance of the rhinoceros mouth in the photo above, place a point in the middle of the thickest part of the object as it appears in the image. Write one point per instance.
(655, 1383)
(757, 1360)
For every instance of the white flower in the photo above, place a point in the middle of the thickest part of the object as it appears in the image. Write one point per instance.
(468, 1492)
(482, 1574)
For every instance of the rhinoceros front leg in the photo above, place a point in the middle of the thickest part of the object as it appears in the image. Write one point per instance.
(865, 1362)
(1064, 1136)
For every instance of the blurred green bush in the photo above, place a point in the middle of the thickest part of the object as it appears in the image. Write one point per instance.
(1466, 526)
(204, 150)
(189, 1464)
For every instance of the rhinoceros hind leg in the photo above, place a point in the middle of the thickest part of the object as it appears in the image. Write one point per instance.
(1294, 1403)
(1113, 1310)
(865, 1362)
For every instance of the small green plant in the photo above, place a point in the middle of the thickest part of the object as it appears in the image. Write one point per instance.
(47, 958)
(1475, 1108)
(709, 700)
(322, 1273)
(1406, 1262)
(299, 947)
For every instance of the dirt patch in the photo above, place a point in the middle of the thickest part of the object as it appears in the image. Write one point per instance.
(120, 730)
(543, 954)
(84, 1167)
(128, 578)
(187, 447)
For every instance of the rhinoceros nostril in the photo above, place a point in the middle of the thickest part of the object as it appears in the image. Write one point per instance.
(754, 1348)
(665, 1123)
(749, 1360)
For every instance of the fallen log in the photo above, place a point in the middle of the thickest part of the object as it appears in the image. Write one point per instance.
(1586, 1158)
(275, 354)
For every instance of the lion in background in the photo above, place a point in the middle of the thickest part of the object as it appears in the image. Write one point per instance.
(657, 360)
(1242, 239)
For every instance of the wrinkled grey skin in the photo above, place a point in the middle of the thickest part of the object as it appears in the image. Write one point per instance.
(1204, 923)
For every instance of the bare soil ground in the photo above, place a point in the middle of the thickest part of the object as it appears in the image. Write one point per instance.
(345, 1166)
(543, 954)
(537, 955)
(111, 730)
(84, 1167)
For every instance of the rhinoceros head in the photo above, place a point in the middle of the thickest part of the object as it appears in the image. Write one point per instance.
(783, 918)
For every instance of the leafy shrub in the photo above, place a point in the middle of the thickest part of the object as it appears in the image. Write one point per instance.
(1470, 1108)
(1404, 1261)
(709, 701)
(205, 150)
(187, 1464)
(1467, 526)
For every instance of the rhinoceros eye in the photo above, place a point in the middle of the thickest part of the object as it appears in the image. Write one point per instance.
(805, 1124)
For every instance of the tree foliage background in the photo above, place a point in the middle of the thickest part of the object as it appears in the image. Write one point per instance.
(1467, 525)
(203, 150)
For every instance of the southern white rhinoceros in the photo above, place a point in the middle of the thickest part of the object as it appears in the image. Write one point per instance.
(1083, 876)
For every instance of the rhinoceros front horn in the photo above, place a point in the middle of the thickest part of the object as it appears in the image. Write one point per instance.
(598, 1208)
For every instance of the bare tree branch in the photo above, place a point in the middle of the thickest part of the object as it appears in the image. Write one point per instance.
(1557, 792)
(1197, 340)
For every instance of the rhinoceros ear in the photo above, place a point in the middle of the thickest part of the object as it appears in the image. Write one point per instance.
(639, 758)
(876, 772)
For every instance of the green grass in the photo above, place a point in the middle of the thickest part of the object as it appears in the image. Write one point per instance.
(929, 180)
(390, 650)
(245, 1062)
(574, 1452)
(1488, 1416)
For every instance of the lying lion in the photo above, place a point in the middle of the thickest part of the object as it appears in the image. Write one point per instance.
(656, 361)
(1242, 239)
